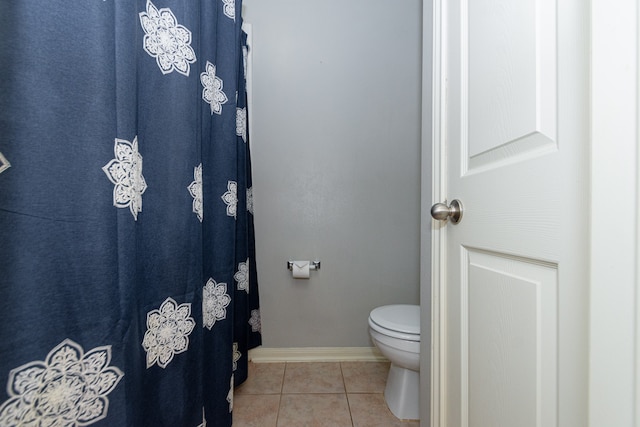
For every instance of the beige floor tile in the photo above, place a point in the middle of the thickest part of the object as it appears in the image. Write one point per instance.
(263, 378)
(255, 410)
(315, 377)
(365, 377)
(370, 410)
(314, 410)
(347, 394)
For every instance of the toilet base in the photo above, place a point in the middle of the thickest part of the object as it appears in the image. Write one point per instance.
(402, 393)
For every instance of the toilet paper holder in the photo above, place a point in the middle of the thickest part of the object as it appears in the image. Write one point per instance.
(313, 265)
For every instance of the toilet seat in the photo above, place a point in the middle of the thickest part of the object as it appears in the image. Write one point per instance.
(398, 321)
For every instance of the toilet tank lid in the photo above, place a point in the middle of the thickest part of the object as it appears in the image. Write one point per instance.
(398, 317)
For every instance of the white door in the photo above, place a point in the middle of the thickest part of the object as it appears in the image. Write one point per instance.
(514, 319)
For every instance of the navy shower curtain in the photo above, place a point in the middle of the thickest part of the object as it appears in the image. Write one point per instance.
(128, 292)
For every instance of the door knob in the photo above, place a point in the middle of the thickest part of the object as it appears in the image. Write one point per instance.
(441, 212)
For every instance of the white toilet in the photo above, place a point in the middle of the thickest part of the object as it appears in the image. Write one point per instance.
(395, 330)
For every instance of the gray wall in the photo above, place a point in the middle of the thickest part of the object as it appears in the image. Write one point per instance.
(336, 163)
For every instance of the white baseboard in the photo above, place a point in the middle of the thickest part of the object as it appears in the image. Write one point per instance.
(316, 354)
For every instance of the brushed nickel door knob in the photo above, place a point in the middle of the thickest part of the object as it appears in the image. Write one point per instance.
(453, 212)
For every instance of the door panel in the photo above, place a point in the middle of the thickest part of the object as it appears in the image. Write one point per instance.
(516, 143)
(508, 63)
(508, 340)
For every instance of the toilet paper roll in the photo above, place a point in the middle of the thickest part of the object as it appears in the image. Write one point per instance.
(300, 269)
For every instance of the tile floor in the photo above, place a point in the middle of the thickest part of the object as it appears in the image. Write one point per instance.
(315, 394)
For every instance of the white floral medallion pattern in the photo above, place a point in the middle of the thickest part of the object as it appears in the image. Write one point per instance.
(255, 321)
(212, 89)
(195, 189)
(166, 40)
(230, 395)
(125, 172)
(229, 8)
(245, 60)
(168, 330)
(236, 356)
(250, 200)
(230, 198)
(4, 163)
(69, 388)
(214, 302)
(204, 420)
(241, 123)
(242, 276)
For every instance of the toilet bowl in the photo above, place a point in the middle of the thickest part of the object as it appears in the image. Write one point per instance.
(395, 331)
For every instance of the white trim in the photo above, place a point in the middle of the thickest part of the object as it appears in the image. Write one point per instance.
(636, 385)
(614, 322)
(432, 302)
(316, 354)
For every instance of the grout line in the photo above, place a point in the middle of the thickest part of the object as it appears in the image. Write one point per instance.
(346, 394)
(279, 406)
(284, 375)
